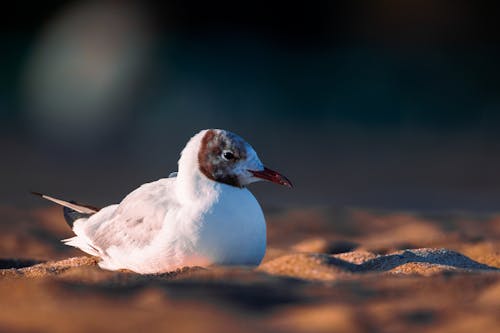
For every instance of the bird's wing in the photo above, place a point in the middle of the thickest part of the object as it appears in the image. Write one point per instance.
(135, 222)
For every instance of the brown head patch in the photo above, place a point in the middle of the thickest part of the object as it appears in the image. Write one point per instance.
(211, 160)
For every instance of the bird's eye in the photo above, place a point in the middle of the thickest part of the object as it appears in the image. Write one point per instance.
(227, 155)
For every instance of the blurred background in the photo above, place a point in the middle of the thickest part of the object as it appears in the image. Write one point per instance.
(386, 104)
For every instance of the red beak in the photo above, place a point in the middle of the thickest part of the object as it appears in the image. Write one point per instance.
(272, 176)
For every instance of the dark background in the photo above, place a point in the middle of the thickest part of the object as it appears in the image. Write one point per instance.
(386, 104)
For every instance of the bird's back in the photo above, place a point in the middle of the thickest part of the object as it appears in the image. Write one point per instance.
(126, 235)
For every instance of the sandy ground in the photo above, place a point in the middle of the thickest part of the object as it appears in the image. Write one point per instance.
(326, 270)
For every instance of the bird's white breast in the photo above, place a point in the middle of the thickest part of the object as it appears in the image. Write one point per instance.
(233, 229)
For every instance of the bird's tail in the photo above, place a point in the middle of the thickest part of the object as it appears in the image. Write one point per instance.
(72, 210)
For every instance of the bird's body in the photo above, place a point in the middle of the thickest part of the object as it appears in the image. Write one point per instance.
(199, 217)
(150, 231)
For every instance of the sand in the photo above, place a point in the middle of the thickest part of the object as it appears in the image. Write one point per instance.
(326, 270)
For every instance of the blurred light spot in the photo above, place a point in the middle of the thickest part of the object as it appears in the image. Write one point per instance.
(79, 80)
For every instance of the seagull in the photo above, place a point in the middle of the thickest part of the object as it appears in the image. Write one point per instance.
(202, 215)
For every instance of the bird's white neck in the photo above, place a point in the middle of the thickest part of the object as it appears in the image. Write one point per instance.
(192, 185)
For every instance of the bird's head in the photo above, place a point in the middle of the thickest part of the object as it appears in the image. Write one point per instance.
(226, 158)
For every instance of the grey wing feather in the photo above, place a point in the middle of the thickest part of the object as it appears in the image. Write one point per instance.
(72, 210)
(80, 208)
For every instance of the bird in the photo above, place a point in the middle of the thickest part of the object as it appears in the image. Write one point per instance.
(202, 215)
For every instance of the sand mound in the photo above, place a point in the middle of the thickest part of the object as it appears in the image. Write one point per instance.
(317, 266)
(49, 268)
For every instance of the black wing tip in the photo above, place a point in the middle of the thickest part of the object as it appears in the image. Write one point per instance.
(38, 194)
(71, 215)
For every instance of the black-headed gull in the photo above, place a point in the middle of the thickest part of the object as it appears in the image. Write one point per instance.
(202, 215)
